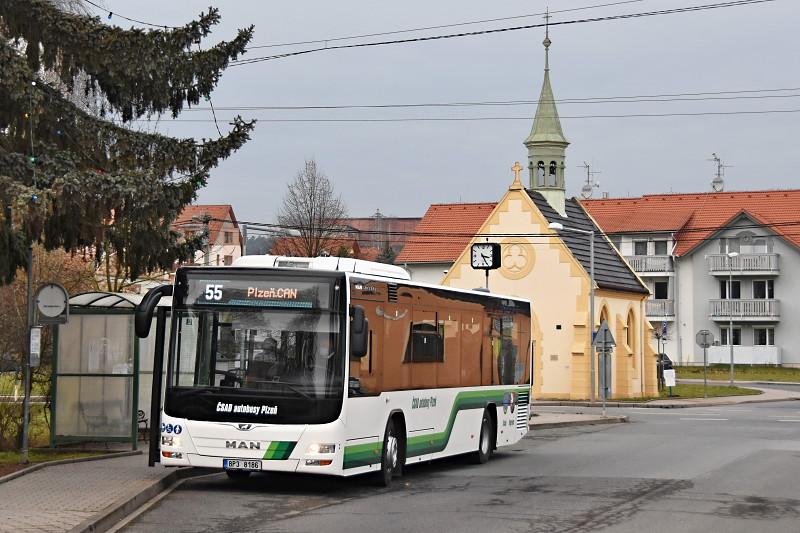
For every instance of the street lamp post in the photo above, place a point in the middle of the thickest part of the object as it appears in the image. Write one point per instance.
(557, 226)
(731, 256)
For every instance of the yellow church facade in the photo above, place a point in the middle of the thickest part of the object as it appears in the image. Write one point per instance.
(539, 265)
(552, 253)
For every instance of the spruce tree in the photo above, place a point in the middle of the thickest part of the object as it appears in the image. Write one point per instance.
(78, 180)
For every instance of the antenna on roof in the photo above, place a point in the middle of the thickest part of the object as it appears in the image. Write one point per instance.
(718, 183)
(588, 188)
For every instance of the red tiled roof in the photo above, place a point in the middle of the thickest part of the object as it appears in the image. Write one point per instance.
(695, 217)
(219, 214)
(293, 247)
(434, 241)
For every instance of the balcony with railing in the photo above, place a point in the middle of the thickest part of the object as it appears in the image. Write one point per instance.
(660, 308)
(650, 264)
(751, 264)
(752, 310)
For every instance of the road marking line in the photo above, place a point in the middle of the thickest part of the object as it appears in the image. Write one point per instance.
(796, 420)
(717, 419)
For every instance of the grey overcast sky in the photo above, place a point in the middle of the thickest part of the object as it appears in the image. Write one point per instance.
(402, 167)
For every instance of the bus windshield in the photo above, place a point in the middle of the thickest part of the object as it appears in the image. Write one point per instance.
(284, 353)
(252, 346)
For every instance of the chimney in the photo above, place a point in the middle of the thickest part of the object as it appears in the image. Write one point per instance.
(605, 195)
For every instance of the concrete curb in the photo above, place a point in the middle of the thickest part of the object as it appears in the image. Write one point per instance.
(615, 419)
(43, 464)
(117, 511)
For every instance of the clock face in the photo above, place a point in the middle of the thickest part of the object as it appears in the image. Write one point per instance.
(483, 256)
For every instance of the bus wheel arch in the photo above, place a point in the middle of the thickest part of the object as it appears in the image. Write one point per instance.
(492, 409)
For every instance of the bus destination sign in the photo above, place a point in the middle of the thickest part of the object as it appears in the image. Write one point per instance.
(281, 293)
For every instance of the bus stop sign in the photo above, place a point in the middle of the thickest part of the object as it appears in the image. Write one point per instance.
(704, 338)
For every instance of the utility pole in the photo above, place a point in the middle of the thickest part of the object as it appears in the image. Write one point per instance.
(244, 238)
(26, 406)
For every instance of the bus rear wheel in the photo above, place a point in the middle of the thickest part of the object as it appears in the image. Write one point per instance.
(391, 457)
(486, 439)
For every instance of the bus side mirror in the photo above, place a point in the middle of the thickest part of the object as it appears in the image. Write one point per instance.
(359, 329)
(143, 315)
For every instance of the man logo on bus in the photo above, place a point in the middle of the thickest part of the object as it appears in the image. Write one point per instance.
(240, 444)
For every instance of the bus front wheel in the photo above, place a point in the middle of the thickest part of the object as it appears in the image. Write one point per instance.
(391, 459)
(486, 439)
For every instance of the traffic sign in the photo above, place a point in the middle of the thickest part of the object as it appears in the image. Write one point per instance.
(704, 338)
(603, 339)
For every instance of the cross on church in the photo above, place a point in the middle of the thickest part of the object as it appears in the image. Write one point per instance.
(547, 17)
(517, 168)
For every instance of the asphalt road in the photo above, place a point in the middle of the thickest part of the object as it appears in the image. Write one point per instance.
(731, 469)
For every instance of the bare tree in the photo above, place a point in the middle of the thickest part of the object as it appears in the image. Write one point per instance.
(313, 209)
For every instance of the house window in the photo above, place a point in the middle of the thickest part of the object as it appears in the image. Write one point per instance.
(728, 245)
(737, 336)
(764, 289)
(228, 237)
(660, 290)
(660, 247)
(616, 240)
(735, 291)
(640, 248)
(763, 336)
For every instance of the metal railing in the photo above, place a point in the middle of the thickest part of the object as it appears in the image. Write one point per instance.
(650, 263)
(751, 308)
(660, 308)
(721, 263)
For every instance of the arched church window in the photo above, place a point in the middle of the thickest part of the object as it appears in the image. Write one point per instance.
(552, 181)
(540, 174)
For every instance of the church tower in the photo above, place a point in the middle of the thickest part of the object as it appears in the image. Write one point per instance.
(546, 144)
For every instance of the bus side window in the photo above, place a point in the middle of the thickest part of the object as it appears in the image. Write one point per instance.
(471, 339)
(448, 373)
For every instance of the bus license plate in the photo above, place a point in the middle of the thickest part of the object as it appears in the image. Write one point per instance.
(241, 464)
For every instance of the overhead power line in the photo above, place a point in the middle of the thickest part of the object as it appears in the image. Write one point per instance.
(477, 119)
(440, 26)
(687, 9)
(676, 97)
(467, 235)
(112, 14)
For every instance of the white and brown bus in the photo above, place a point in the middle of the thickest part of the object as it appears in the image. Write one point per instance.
(335, 366)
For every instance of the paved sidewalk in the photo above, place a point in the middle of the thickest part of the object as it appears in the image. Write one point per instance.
(62, 497)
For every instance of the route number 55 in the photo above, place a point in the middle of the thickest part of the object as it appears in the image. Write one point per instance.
(213, 292)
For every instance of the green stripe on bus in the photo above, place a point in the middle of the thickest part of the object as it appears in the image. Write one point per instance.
(279, 450)
(370, 453)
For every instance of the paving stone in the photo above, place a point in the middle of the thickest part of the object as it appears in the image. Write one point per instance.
(58, 498)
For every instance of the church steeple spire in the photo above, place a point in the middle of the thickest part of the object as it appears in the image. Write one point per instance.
(546, 143)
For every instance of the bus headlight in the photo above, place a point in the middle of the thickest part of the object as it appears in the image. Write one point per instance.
(321, 448)
(170, 440)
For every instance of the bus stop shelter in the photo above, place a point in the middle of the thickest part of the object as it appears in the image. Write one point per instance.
(102, 373)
